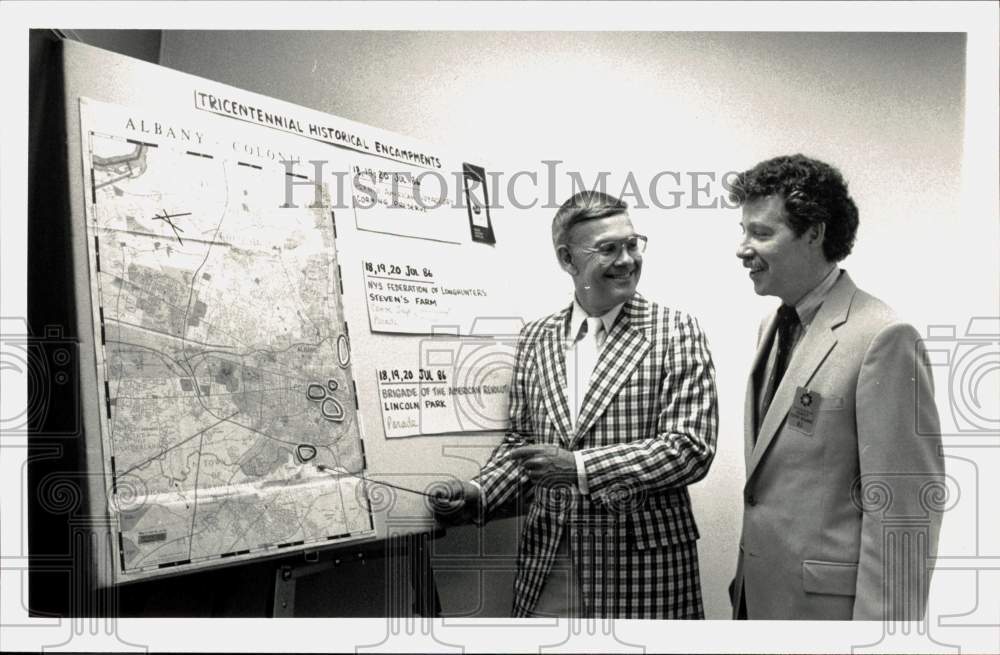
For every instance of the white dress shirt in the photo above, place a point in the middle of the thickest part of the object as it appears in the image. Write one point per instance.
(576, 386)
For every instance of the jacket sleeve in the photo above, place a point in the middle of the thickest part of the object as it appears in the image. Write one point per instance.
(500, 477)
(683, 447)
(902, 477)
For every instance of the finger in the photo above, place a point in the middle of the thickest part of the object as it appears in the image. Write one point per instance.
(536, 464)
(441, 497)
(538, 467)
(524, 452)
(446, 503)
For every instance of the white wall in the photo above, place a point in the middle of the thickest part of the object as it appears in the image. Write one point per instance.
(886, 108)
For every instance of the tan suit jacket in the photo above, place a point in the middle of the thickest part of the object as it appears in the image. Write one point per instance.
(842, 499)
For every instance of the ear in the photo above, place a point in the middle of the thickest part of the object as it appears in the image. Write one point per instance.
(565, 258)
(817, 233)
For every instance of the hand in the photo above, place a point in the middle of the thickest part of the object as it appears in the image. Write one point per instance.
(456, 502)
(546, 462)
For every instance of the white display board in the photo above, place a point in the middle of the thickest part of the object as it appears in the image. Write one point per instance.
(230, 352)
(223, 362)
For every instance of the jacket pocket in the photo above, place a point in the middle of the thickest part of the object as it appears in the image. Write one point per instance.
(835, 578)
(662, 522)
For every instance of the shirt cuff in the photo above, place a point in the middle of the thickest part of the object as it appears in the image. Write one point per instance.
(581, 473)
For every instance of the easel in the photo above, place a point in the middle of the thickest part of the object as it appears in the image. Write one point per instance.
(408, 585)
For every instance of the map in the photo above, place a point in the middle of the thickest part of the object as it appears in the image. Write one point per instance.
(229, 418)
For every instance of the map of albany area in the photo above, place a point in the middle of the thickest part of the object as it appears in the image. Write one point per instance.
(224, 360)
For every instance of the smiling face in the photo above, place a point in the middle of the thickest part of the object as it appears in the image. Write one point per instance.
(780, 263)
(601, 283)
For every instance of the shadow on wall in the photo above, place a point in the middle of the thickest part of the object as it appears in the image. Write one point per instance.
(141, 44)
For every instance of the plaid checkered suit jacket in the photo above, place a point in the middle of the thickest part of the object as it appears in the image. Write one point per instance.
(647, 429)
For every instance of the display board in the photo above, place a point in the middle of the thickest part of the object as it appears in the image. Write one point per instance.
(223, 360)
(267, 297)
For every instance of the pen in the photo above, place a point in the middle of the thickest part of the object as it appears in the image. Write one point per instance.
(327, 469)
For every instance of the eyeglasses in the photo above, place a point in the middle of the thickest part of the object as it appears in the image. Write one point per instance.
(609, 251)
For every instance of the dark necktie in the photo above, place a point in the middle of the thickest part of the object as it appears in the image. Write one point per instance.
(788, 321)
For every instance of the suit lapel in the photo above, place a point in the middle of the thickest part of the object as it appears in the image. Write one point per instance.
(750, 405)
(806, 360)
(624, 348)
(550, 359)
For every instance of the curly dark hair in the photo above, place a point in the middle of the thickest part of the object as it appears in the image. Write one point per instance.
(814, 192)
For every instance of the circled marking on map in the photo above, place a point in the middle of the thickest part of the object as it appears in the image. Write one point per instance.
(329, 407)
(316, 392)
(343, 351)
(332, 410)
(305, 452)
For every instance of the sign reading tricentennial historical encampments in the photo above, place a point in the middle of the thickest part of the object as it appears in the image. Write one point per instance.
(224, 368)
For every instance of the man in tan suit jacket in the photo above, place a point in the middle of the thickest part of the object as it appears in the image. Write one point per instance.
(843, 455)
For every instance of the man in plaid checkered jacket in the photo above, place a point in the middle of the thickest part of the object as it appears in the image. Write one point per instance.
(613, 414)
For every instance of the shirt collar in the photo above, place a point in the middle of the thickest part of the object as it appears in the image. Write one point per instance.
(810, 303)
(579, 315)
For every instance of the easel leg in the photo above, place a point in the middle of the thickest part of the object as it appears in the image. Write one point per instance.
(284, 592)
(426, 601)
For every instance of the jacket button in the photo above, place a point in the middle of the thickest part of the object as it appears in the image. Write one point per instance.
(751, 501)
